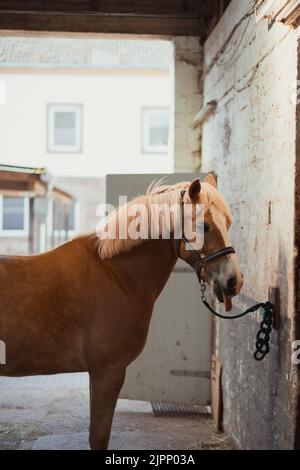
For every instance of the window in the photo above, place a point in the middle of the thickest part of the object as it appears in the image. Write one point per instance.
(155, 130)
(64, 128)
(14, 216)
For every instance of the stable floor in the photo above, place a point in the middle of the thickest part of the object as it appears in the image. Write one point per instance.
(52, 412)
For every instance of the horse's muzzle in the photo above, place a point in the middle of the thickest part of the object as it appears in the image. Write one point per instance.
(218, 291)
(224, 295)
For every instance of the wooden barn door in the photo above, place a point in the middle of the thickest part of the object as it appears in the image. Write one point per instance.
(175, 364)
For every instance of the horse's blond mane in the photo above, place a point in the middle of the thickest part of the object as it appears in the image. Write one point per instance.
(157, 193)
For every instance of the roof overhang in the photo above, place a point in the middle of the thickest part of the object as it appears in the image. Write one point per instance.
(20, 181)
(14, 183)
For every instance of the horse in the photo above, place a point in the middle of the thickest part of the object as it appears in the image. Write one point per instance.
(86, 305)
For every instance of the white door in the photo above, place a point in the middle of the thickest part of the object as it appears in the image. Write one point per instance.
(175, 363)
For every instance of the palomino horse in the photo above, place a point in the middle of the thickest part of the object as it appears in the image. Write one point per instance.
(86, 305)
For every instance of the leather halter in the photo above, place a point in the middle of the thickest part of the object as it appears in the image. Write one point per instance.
(202, 260)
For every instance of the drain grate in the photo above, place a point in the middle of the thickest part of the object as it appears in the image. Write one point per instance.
(161, 408)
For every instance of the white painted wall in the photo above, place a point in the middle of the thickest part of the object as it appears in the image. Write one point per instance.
(250, 143)
(188, 100)
(112, 104)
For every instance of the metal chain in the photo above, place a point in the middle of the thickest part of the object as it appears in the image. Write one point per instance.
(202, 288)
(263, 335)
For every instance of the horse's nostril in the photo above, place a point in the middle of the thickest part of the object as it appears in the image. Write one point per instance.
(231, 283)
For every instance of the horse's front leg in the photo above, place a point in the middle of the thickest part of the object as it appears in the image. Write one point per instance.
(104, 392)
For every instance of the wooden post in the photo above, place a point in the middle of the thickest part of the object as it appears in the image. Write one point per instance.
(216, 392)
(31, 243)
(274, 298)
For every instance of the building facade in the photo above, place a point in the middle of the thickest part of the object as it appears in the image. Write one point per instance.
(83, 108)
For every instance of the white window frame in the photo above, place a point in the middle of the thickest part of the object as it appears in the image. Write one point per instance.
(146, 146)
(51, 110)
(15, 233)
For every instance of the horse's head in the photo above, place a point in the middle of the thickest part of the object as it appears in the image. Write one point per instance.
(223, 273)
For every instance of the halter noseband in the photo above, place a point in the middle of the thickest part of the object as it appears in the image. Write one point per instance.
(202, 260)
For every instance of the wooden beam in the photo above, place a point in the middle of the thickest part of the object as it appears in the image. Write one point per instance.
(290, 14)
(16, 193)
(101, 23)
(148, 17)
(12, 181)
(6, 185)
(132, 7)
(207, 110)
(216, 391)
(62, 196)
(37, 187)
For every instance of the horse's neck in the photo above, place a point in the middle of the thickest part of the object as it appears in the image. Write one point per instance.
(147, 267)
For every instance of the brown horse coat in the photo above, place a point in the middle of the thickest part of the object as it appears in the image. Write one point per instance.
(71, 310)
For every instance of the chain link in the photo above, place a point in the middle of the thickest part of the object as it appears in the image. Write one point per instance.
(202, 288)
(263, 335)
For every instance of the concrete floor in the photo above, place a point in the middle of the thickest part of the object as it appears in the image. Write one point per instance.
(52, 412)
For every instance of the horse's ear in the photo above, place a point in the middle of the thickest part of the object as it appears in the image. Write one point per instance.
(210, 179)
(194, 190)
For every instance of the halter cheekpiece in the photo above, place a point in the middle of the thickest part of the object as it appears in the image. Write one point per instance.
(202, 260)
